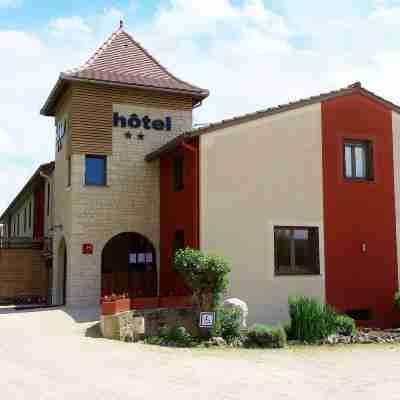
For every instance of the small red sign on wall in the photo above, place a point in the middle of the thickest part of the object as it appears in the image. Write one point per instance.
(87, 248)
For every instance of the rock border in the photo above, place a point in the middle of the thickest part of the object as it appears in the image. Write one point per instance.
(366, 336)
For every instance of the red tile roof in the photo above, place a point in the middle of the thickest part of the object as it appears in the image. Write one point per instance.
(123, 61)
(354, 88)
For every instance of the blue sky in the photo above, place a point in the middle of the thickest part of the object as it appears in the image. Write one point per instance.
(35, 13)
(250, 54)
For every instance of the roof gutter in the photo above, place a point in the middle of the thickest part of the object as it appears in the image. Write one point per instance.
(355, 88)
(47, 109)
(201, 94)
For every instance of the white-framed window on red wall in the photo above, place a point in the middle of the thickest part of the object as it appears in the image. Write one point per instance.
(358, 160)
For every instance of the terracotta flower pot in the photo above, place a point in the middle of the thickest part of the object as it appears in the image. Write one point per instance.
(115, 307)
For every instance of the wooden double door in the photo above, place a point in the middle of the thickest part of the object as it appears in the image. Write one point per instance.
(129, 266)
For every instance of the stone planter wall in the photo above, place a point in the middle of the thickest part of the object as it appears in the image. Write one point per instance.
(135, 324)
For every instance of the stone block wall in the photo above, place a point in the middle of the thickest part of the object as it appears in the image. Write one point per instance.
(135, 324)
(130, 202)
(62, 210)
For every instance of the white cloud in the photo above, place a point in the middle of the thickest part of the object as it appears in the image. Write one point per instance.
(379, 4)
(8, 144)
(180, 19)
(25, 74)
(248, 56)
(12, 180)
(64, 27)
(10, 3)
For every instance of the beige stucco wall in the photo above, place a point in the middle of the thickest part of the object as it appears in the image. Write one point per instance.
(396, 160)
(129, 202)
(253, 176)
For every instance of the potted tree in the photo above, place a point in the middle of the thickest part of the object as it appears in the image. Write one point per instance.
(206, 275)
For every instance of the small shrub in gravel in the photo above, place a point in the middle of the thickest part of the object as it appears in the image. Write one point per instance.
(311, 321)
(176, 335)
(157, 340)
(172, 336)
(288, 329)
(345, 325)
(228, 325)
(265, 336)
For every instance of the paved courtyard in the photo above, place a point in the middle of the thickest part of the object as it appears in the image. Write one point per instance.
(46, 355)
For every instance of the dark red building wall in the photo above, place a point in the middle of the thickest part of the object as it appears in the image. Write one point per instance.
(179, 211)
(359, 212)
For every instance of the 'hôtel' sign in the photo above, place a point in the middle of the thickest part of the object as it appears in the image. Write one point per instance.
(135, 122)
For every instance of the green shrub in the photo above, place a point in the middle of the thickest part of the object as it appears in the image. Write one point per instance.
(266, 336)
(287, 328)
(311, 321)
(228, 325)
(206, 275)
(397, 301)
(157, 340)
(345, 325)
(177, 335)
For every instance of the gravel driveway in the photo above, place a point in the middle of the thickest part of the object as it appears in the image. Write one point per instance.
(45, 355)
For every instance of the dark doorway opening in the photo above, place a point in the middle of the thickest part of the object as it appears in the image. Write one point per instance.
(360, 314)
(64, 290)
(62, 273)
(129, 265)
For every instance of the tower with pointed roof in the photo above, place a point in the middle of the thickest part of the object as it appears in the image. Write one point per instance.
(109, 113)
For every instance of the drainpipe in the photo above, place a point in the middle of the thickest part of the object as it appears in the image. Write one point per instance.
(47, 178)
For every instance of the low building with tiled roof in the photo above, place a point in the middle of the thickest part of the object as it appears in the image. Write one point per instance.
(302, 198)
(351, 89)
(26, 216)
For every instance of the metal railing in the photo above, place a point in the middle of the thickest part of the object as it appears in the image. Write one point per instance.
(21, 243)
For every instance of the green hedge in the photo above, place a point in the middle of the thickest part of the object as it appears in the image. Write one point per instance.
(266, 336)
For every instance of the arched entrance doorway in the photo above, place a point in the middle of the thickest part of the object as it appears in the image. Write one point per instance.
(128, 265)
(62, 273)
